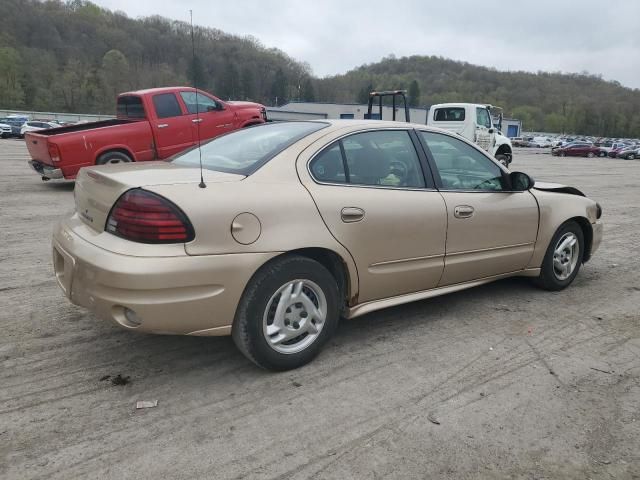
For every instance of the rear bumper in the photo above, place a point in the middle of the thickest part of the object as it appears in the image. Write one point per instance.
(47, 172)
(183, 295)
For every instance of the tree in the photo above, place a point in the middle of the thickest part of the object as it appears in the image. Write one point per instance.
(115, 72)
(279, 88)
(307, 92)
(11, 92)
(414, 93)
(195, 73)
(363, 94)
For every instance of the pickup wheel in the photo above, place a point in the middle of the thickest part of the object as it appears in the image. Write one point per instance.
(112, 158)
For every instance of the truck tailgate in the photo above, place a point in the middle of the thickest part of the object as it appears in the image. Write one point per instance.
(38, 146)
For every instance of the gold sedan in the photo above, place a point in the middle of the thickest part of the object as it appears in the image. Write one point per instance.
(294, 225)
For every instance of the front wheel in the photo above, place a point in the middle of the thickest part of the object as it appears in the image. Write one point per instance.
(631, 156)
(562, 154)
(563, 258)
(503, 159)
(591, 155)
(287, 313)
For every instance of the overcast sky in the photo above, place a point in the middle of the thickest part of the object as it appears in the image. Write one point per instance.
(337, 35)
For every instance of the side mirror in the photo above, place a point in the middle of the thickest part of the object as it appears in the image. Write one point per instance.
(211, 108)
(520, 181)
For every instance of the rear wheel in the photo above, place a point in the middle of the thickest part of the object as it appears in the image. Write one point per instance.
(287, 313)
(563, 258)
(591, 155)
(631, 156)
(111, 158)
(602, 154)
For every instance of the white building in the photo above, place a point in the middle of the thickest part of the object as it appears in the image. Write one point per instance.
(319, 110)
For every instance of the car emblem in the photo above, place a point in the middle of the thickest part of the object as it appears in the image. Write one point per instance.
(86, 215)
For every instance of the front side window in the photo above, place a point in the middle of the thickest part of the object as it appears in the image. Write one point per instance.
(198, 103)
(166, 105)
(482, 117)
(244, 151)
(462, 167)
(382, 158)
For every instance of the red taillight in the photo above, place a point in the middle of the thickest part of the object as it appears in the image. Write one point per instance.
(54, 152)
(145, 217)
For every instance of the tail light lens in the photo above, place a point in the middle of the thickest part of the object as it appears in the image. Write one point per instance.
(145, 217)
(54, 152)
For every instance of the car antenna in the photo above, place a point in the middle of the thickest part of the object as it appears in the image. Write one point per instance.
(195, 86)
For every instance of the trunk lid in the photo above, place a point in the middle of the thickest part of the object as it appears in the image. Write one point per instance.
(98, 188)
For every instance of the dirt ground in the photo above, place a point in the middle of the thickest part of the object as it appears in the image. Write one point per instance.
(524, 383)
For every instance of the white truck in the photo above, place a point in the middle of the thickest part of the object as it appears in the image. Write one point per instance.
(473, 122)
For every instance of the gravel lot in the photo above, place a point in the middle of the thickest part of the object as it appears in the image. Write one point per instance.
(524, 383)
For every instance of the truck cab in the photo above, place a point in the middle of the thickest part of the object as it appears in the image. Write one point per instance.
(475, 123)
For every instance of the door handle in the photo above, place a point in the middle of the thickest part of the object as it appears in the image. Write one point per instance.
(163, 125)
(463, 211)
(351, 214)
(196, 120)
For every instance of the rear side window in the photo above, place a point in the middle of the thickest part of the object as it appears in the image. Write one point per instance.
(450, 114)
(166, 105)
(382, 158)
(130, 106)
(328, 166)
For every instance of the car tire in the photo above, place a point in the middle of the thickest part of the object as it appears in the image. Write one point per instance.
(503, 159)
(562, 154)
(602, 154)
(591, 155)
(264, 328)
(631, 156)
(552, 275)
(111, 158)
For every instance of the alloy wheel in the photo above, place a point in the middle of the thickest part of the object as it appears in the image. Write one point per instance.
(565, 256)
(294, 316)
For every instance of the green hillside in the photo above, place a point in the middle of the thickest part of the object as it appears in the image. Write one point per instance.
(552, 102)
(75, 56)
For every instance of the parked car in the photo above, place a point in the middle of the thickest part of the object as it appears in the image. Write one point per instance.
(301, 223)
(36, 125)
(151, 124)
(16, 123)
(541, 142)
(577, 150)
(629, 153)
(613, 153)
(518, 142)
(5, 130)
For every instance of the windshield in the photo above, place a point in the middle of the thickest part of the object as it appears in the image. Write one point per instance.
(246, 150)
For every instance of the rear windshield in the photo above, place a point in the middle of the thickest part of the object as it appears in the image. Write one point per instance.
(451, 114)
(130, 106)
(246, 150)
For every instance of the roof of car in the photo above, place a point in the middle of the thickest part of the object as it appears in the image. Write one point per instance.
(156, 90)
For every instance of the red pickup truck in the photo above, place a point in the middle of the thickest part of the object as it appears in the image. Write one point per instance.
(151, 124)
